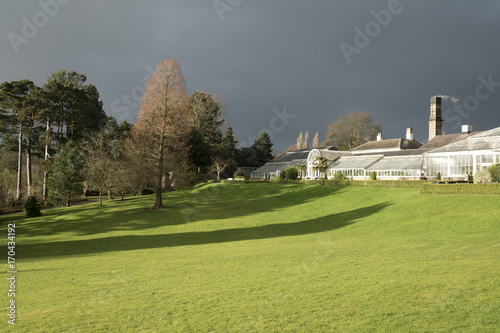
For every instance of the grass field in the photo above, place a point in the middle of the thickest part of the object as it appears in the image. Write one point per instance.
(261, 258)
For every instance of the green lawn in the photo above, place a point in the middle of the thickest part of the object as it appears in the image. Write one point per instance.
(261, 258)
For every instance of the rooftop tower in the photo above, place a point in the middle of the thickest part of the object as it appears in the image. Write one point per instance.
(435, 121)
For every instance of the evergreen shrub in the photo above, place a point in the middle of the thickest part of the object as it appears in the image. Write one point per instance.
(339, 175)
(495, 173)
(291, 173)
(32, 207)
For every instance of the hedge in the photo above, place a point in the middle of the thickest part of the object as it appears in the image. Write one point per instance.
(427, 188)
(246, 181)
(367, 183)
(343, 182)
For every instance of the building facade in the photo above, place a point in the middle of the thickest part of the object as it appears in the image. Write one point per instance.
(454, 156)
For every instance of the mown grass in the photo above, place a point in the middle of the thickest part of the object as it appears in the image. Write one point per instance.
(262, 258)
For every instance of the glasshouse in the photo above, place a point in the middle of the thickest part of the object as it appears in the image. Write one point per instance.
(353, 166)
(396, 167)
(462, 159)
(278, 166)
(454, 156)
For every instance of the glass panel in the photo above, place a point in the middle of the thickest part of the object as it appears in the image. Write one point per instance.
(487, 158)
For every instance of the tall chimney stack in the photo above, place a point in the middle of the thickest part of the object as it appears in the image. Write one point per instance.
(409, 133)
(379, 137)
(435, 120)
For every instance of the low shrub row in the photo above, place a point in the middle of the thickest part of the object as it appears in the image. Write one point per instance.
(246, 181)
(337, 182)
(367, 183)
(427, 188)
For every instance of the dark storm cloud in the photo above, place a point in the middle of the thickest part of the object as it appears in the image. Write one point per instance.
(269, 56)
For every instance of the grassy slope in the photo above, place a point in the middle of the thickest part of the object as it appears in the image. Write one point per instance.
(263, 257)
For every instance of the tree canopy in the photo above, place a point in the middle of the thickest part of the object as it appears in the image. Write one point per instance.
(352, 130)
(206, 134)
(67, 175)
(263, 148)
(74, 107)
(163, 125)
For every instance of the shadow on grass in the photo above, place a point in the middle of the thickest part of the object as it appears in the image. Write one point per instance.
(208, 201)
(126, 243)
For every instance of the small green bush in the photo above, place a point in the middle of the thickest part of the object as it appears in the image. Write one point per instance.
(339, 175)
(291, 173)
(438, 176)
(373, 175)
(278, 179)
(32, 207)
(495, 173)
(482, 176)
(146, 191)
(240, 174)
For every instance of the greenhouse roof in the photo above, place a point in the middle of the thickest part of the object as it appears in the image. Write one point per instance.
(489, 140)
(277, 166)
(332, 155)
(486, 134)
(355, 162)
(446, 139)
(398, 152)
(390, 143)
(398, 163)
(271, 167)
(292, 155)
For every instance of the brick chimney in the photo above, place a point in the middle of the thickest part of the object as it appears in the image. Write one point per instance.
(435, 120)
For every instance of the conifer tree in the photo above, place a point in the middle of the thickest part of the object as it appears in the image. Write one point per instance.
(315, 142)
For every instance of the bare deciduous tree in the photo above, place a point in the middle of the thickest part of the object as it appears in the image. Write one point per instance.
(163, 124)
(352, 130)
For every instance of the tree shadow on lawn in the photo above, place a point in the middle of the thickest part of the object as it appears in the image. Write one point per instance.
(139, 242)
(211, 201)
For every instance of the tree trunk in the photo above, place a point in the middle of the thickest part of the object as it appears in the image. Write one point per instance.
(69, 200)
(19, 164)
(158, 200)
(158, 190)
(46, 158)
(100, 197)
(109, 195)
(28, 164)
(123, 195)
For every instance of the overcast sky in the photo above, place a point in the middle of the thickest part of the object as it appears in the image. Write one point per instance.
(283, 66)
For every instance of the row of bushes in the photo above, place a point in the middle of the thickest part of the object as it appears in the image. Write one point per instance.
(367, 183)
(334, 182)
(427, 188)
(245, 180)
